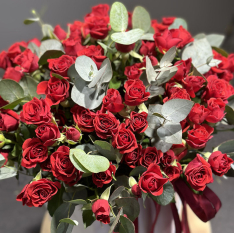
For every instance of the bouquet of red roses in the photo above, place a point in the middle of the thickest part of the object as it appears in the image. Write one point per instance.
(119, 107)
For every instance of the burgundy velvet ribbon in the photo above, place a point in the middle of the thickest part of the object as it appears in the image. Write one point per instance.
(157, 207)
(205, 206)
(136, 225)
(176, 218)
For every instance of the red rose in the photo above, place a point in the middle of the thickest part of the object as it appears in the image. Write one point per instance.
(9, 120)
(83, 118)
(184, 67)
(173, 172)
(150, 155)
(60, 33)
(180, 150)
(95, 53)
(2, 102)
(105, 177)
(135, 92)
(61, 65)
(124, 140)
(218, 88)
(101, 209)
(36, 112)
(72, 134)
(193, 84)
(199, 135)
(56, 90)
(62, 168)
(220, 163)
(99, 10)
(216, 107)
(133, 72)
(5, 154)
(168, 20)
(35, 41)
(136, 190)
(105, 124)
(152, 180)
(72, 45)
(198, 114)
(231, 62)
(137, 122)
(132, 158)
(158, 27)
(34, 151)
(46, 165)
(124, 48)
(164, 41)
(38, 192)
(75, 29)
(183, 34)
(113, 101)
(198, 173)
(5, 62)
(48, 133)
(13, 73)
(177, 93)
(148, 49)
(97, 26)
(168, 157)
(15, 49)
(27, 60)
(184, 125)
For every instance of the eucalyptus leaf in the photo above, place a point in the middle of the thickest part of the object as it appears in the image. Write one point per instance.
(126, 225)
(225, 147)
(78, 202)
(112, 228)
(88, 218)
(12, 105)
(31, 20)
(141, 18)
(10, 90)
(148, 37)
(177, 23)
(229, 114)
(215, 39)
(34, 48)
(106, 149)
(139, 170)
(115, 83)
(168, 57)
(106, 194)
(70, 221)
(116, 193)
(127, 38)
(151, 74)
(2, 160)
(29, 86)
(161, 144)
(118, 17)
(48, 31)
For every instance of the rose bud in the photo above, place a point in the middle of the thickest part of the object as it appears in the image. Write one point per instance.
(135, 92)
(101, 178)
(60, 33)
(113, 101)
(62, 167)
(136, 190)
(9, 120)
(73, 135)
(34, 151)
(199, 135)
(216, 108)
(101, 209)
(5, 62)
(13, 73)
(124, 48)
(36, 112)
(83, 118)
(72, 46)
(220, 163)
(48, 133)
(198, 114)
(133, 72)
(198, 173)
(152, 180)
(15, 49)
(38, 192)
(173, 172)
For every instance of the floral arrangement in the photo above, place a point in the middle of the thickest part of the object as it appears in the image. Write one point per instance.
(118, 108)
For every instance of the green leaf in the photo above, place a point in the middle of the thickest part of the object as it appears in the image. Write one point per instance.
(112, 228)
(106, 194)
(78, 202)
(177, 23)
(2, 160)
(141, 18)
(70, 221)
(127, 38)
(10, 90)
(138, 171)
(116, 193)
(215, 39)
(48, 31)
(220, 51)
(106, 149)
(64, 228)
(126, 225)
(130, 206)
(176, 110)
(231, 101)
(132, 181)
(7, 172)
(118, 17)
(12, 105)
(29, 86)
(168, 57)
(121, 181)
(229, 114)
(65, 210)
(115, 83)
(88, 218)
(91, 163)
(166, 197)
(58, 76)
(150, 72)
(225, 147)
(38, 176)
(148, 37)
(31, 20)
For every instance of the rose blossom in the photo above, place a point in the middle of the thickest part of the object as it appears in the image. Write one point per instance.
(198, 114)
(5, 62)
(101, 209)
(220, 163)
(13, 73)
(73, 135)
(150, 155)
(132, 158)
(152, 180)
(60, 33)
(184, 67)
(168, 157)
(38, 192)
(133, 72)
(9, 120)
(173, 172)
(136, 190)
(198, 173)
